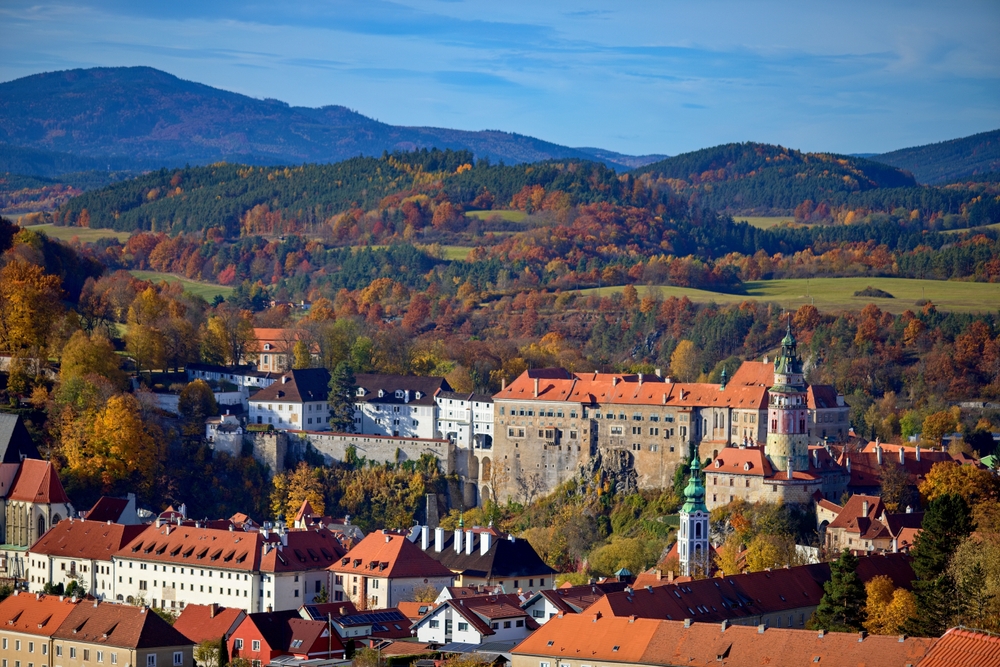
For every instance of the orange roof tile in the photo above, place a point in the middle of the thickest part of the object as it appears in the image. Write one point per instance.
(591, 637)
(963, 648)
(34, 614)
(229, 549)
(92, 540)
(384, 554)
(205, 622)
(37, 482)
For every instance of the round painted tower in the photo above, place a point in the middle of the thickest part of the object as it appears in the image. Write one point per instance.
(692, 536)
(787, 419)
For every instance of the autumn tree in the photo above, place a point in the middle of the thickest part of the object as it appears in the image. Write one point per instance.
(895, 485)
(29, 307)
(972, 484)
(91, 355)
(684, 364)
(302, 357)
(771, 550)
(937, 425)
(196, 403)
(229, 336)
(291, 489)
(887, 608)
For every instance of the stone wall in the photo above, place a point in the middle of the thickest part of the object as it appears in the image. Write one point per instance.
(381, 448)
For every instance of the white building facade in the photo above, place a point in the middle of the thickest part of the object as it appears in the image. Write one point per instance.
(465, 419)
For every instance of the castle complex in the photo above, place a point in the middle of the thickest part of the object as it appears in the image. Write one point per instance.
(551, 424)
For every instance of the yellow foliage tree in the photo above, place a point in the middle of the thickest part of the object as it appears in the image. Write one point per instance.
(888, 608)
(85, 355)
(770, 551)
(29, 306)
(975, 485)
(293, 488)
(684, 363)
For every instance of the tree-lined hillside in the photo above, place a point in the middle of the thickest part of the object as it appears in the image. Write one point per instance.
(949, 160)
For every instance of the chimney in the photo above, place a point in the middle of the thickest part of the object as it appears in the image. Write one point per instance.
(878, 453)
(815, 458)
(790, 466)
(438, 539)
(485, 542)
(284, 379)
(213, 609)
(725, 624)
(902, 460)
(659, 372)
(864, 508)
(536, 387)
(909, 510)
(664, 399)
(184, 510)
(503, 383)
(424, 537)
(918, 452)
(469, 538)
(848, 465)
(687, 622)
(669, 380)
(614, 381)
(406, 396)
(159, 522)
(640, 379)
(458, 540)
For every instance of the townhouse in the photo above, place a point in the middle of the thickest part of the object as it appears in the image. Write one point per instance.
(384, 569)
(296, 402)
(401, 406)
(475, 620)
(274, 350)
(863, 525)
(485, 557)
(61, 631)
(171, 566)
(80, 551)
(264, 637)
(465, 419)
(546, 604)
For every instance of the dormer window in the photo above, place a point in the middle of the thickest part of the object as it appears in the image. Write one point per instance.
(361, 391)
(746, 466)
(267, 346)
(418, 395)
(381, 393)
(718, 463)
(399, 393)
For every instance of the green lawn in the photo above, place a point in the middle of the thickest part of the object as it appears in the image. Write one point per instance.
(85, 234)
(834, 294)
(205, 290)
(763, 222)
(455, 252)
(509, 216)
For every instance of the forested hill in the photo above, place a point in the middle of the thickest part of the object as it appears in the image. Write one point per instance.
(153, 118)
(752, 177)
(946, 161)
(220, 195)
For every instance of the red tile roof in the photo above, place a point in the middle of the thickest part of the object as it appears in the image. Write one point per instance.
(853, 510)
(91, 540)
(595, 638)
(963, 648)
(37, 482)
(119, 625)
(821, 397)
(107, 509)
(34, 614)
(742, 461)
(229, 549)
(412, 610)
(306, 550)
(384, 554)
(205, 622)
(576, 599)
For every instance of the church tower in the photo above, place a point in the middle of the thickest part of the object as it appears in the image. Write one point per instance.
(692, 540)
(787, 438)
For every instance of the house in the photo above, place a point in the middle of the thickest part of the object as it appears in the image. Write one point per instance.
(546, 604)
(384, 569)
(226, 424)
(208, 622)
(27, 624)
(576, 640)
(864, 525)
(352, 624)
(487, 557)
(414, 611)
(397, 405)
(275, 349)
(263, 637)
(465, 419)
(115, 510)
(296, 402)
(80, 551)
(115, 634)
(779, 598)
(865, 467)
(245, 378)
(475, 620)
(172, 566)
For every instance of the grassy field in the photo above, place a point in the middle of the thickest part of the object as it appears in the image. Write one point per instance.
(510, 216)
(85, 234)
(763, 222)
(455, 252)
(205, 290)
(836, 294)
(959, 231)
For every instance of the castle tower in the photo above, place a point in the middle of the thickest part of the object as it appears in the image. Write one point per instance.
(692, 540)
(787, 438)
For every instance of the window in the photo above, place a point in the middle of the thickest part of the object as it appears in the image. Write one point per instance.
(100, 656)
(45, 649)
(5, 643)
(255, 645)
(151, 660)
(237, 644)
(434, 623)
(17, 645)
(495, 626)
(72, 652)
(31, 647)
(519, 624)
(506, 624)
(178, 658)
(462, 627)
(86, 654)
(538, 613)
(58, 649)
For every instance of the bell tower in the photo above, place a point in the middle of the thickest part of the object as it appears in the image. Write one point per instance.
(692, 540)
(787, 438)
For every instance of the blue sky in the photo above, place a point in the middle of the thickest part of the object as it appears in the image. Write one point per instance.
(636, 77)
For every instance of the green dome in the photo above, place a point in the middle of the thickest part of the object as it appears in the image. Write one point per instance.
(694, 492)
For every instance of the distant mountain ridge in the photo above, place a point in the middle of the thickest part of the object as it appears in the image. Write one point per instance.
(140, 117)
(948, 161)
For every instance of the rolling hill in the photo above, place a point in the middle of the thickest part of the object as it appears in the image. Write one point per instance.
(146, 118)
(948, 160)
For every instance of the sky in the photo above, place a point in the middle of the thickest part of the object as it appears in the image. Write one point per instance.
(636, 77)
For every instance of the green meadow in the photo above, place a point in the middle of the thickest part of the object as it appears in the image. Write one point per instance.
(207, 291)
(85, 234)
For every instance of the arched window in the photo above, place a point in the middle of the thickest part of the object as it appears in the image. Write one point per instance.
(487, 469)
(41, 526)
(697, 530)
